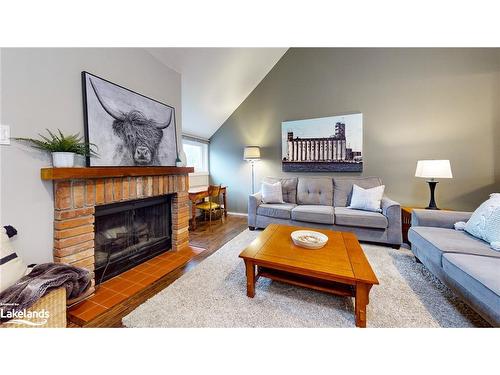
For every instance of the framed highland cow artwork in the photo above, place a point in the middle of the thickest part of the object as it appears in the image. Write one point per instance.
(129, 129)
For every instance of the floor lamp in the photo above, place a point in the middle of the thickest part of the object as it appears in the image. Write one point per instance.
(432, 169)
(252, 154)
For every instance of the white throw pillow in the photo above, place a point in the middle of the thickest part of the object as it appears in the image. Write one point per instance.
(367, 199)
(272, 193)
(485, 221)
(12, 268)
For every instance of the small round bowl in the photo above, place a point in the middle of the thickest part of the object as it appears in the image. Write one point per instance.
(309, 239)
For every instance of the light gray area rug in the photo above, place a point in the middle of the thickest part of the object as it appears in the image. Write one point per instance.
(213, 294)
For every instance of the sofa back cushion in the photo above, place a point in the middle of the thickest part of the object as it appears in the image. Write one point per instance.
(342, 188)
(315, 191)
(288, 187)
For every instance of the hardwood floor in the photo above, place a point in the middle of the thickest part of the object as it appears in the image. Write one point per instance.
(219, 234)
(211, 240)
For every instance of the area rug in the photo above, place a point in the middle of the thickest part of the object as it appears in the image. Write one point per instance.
(213, 294)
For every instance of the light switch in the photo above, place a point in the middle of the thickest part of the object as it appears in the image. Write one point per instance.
(4, 135)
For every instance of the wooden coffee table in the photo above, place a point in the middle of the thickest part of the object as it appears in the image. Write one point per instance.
(339, 268)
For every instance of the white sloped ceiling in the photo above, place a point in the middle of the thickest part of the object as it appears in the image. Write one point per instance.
(215, 81)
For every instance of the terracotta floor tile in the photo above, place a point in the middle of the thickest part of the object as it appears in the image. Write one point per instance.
(110, 284)
(164, 256)
(141, 277)
(138, 277)
(148, 269)
(178, 262)
(91, 313)
(153, 261)
(132, 272)
(149, 279)
(118, 289)
(114, 300)
(161, 272)
(82, 306)
(120, 285)
(164, 263)
(101, 294)
(130, 291)
(141, 267)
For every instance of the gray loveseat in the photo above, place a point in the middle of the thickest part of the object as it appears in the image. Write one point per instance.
(322, 202)
(464, 263)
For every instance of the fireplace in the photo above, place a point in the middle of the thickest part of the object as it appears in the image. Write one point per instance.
(83, 197)
(130, 233)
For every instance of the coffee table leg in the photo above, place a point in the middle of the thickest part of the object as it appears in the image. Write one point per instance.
(360, 302)
(250, 268)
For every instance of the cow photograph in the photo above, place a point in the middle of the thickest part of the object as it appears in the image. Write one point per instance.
(128, 129)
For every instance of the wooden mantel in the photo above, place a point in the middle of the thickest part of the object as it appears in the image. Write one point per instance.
(104, 172)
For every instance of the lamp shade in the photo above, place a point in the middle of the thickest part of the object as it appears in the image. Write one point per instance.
(433, 169)
(251, 153)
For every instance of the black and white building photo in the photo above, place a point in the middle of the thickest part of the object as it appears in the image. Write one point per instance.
(328, 144)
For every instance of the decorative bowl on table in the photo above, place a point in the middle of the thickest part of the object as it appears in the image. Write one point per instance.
(309, 239)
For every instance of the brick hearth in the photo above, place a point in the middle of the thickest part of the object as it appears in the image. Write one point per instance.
(75, 200)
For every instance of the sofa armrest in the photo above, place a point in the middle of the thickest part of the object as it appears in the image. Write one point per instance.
(437, 218)
(388, 206)
(392, 211)
(254, 201)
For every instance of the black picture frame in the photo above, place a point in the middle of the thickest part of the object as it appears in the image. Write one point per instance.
(84, 75)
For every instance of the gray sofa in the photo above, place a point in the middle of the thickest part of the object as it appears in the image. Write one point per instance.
(464, 263)
(322, 202)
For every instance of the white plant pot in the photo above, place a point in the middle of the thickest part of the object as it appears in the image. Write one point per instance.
(80, 160)
(63, 159)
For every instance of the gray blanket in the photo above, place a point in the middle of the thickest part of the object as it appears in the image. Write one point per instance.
(40, 281)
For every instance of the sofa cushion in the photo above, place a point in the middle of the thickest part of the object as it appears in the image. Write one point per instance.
(288, 187)
(277, 210)
(478, 275)
(271, 193)
(437, 241)
(367, 199)
(315, 191)
(342, 188)
(357, 218)
(313, 213)
(485, 221)
(484, 270)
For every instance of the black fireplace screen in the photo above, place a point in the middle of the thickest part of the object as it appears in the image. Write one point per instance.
(129, 233)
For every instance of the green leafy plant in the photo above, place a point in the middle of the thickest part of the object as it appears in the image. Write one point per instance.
(61, 143)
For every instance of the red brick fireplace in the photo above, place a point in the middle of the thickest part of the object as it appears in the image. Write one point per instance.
(77, 192)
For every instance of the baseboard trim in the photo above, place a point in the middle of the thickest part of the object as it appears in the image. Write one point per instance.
(237, 213)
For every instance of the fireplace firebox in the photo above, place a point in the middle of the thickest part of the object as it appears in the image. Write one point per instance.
(129, 233)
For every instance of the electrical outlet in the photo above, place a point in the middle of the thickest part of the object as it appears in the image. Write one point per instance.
(4, 135)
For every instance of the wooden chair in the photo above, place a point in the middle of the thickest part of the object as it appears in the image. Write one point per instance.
(212, 205)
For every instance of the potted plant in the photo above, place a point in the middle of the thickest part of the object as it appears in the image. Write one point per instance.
(63, 148)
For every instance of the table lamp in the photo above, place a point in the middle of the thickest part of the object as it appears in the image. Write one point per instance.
(432, 169)
(252, 154)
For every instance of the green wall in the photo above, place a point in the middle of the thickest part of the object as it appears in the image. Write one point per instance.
(416, 104)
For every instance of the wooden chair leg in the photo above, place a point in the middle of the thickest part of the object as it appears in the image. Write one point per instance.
(210, 219)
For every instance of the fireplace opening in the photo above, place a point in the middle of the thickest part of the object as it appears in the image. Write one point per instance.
(130, 233)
